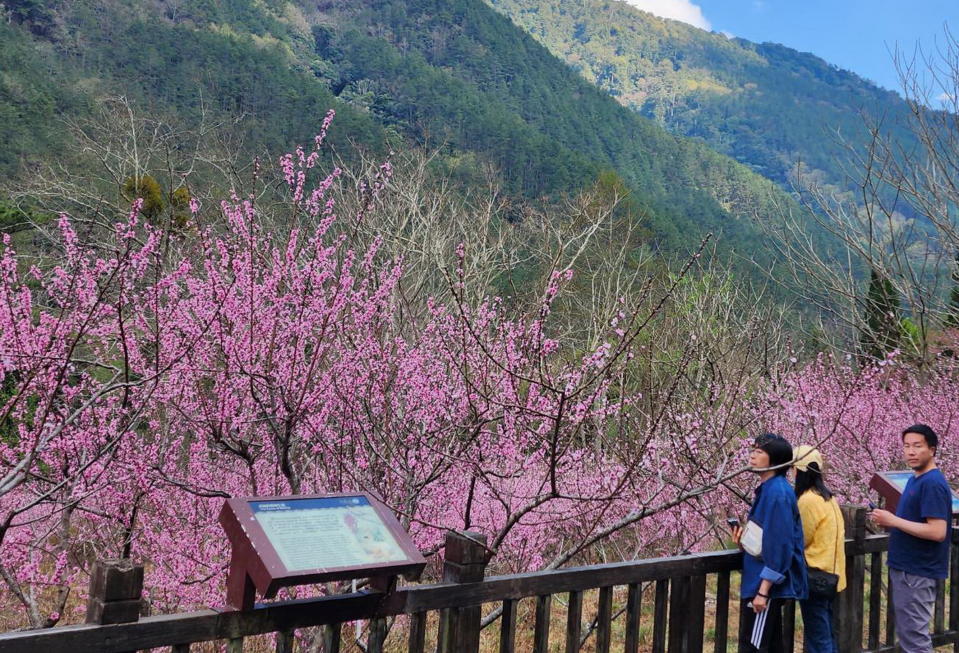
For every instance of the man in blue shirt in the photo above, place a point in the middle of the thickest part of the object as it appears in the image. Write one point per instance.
(919, 535)
(777, 571)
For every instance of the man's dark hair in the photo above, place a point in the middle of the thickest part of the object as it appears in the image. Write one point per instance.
(779, 450)
(932, 440)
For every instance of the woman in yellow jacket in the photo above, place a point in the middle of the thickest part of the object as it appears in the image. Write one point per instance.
(824, 534)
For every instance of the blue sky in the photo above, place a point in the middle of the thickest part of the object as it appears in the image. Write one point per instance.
(854, 34)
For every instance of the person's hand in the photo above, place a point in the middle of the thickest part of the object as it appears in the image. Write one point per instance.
(737, 532)
(760, 603)
(882, 518)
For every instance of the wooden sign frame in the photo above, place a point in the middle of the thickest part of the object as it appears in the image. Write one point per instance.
(257, 566)
(890, 485)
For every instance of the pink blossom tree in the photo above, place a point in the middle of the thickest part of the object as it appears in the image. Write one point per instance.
(84, 346)
(856, 416)
(146, 382)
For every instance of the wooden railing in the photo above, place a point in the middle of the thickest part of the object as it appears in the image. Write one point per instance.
(677, 596)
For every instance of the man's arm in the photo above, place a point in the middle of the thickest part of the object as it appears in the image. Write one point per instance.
(931, 529)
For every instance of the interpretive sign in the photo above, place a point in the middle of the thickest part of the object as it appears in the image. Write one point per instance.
(890, 486)
(327, 533)
(300, 540)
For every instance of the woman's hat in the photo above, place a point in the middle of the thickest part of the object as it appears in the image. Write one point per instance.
(806, 455)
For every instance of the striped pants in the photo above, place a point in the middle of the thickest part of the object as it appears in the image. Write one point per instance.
(763, 631)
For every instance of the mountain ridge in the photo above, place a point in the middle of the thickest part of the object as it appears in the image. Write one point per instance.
(451, 73)
(766, 105)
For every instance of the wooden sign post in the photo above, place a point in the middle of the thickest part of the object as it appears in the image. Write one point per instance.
(302, 540)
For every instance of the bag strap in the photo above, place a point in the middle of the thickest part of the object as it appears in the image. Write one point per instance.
(840, 535)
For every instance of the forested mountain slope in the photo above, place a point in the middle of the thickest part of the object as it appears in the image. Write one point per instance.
(452, 74)
(766, 105)
(491, 88)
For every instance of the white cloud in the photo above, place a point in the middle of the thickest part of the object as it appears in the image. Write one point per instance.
(681, 10)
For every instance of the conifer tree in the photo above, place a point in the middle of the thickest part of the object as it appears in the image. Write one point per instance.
(952, 318)
(148, 189)
(882, 331)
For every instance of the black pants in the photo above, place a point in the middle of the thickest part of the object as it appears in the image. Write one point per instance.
(772, 639)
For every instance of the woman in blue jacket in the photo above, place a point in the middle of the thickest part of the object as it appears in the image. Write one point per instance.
(774, 565)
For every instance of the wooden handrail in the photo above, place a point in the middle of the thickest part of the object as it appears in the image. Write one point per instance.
(207, 625)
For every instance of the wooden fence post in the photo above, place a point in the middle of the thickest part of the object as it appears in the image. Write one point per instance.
(116, 588)
(115, 592)
(465, 562)
(850, 602)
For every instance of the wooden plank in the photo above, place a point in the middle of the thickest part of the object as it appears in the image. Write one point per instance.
(868, 544)
(207, 625)
(507, 633)
(417, 638)
(890, 614)
(446, 631)
(116, 580)
(495, 589)
(954, 589)
(574, 622)
(377, 636)
(465, 560)
(939, 609)
(856, 598)
(687, 612)
(604, 618)
(284, 641)
(721, 629)
(850, 606)
(659, 616)
(467, 637)
(850, 617)
(113, 612)
(789, 626)
(541, 629)
(200, 626)
(332, 636)
(696, 614)
(634, 611)
(741, 629)
(678, 606)
(875, 600)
